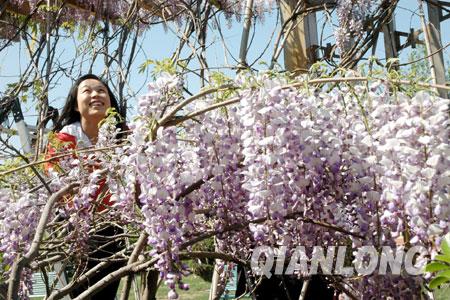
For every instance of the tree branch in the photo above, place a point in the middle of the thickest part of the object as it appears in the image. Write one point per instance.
(140, 244)
(21, 262)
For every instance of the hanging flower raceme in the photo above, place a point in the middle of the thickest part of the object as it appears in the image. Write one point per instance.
(283, 157)
(282, 166)
(19, 215)
(351, 17)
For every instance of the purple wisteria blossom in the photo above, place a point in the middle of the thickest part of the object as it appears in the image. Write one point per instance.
(271, 169)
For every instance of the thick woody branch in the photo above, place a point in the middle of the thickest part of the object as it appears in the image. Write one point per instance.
(116, 275)
(178, 120)
(166, 118)
(193, 187)
(21, 262)
(245, 33)
(213, 255)
(58, 294)
(244, 224)
(140, 244)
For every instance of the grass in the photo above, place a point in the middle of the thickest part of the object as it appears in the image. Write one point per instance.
(198, 290)
(443, 293)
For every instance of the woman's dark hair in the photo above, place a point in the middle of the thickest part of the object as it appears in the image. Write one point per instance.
(69, 114)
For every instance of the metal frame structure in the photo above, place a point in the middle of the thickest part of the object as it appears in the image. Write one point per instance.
(302, 43)
(12, 105)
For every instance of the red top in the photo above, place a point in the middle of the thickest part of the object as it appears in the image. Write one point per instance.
(69, 143)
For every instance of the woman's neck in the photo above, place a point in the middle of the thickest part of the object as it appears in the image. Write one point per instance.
(90, 128)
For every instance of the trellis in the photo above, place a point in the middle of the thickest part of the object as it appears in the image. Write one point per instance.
(301, 45)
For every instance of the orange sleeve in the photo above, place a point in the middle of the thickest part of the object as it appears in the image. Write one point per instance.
(60, 142)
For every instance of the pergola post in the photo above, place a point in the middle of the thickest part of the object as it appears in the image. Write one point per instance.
(390, 39)
(300, 49)
(434, 30)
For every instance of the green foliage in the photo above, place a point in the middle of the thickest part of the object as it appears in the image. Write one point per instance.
(48, 8)
(69, 26)
(165, 65)
(203, 267)
(82, 32)
(1, 271)
(416, 70)
(440, 265)
(11, 87)
(38, 88)
(319, 70)
(419, 69)
(14, 180)
(34, 28)
(112, 116)
(218, 78)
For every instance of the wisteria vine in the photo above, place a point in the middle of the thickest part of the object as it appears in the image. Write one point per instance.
(370, 163)
(351, 14)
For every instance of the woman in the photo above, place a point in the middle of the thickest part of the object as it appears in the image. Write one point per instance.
(86, 105)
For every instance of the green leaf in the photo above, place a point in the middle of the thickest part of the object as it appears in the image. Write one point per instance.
(445, 274)
(441, 257)
(436, 266)
(144, 65)
(445, 244)
(437, 282)
(219, 78)
(392, 60)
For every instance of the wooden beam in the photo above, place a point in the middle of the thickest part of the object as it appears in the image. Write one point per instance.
(8, 28)
(434, 14)
(437, 58)
(300, 49)
(411, 41)
(152, 9)
(23, 9)
(434, 29)
(390, 39)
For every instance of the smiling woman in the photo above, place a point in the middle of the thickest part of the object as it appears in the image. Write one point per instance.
(93, 101)
(86, 105)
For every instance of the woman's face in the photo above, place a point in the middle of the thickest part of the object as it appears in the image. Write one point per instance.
(92, 100)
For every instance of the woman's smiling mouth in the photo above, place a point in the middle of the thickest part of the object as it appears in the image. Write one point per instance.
(96, 103)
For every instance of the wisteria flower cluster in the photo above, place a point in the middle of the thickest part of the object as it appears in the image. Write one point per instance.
(19, 215)
(83, 10)
(351, 16)
(374, 165)
(281, 166)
